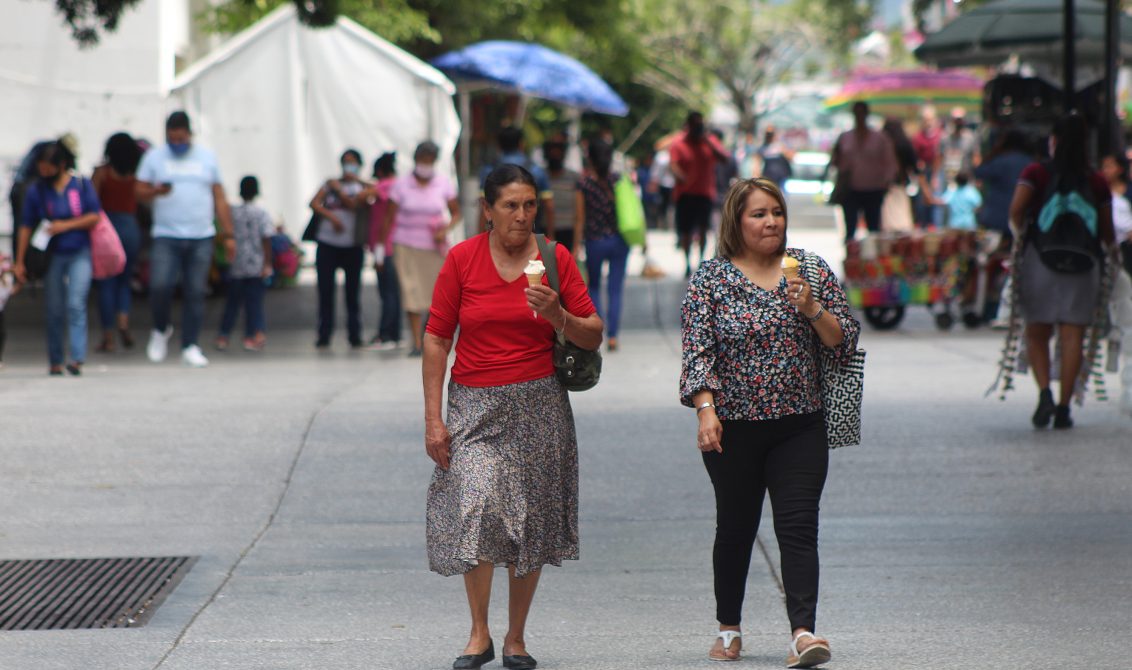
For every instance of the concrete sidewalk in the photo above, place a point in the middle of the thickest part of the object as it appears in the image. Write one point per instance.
(954, 537)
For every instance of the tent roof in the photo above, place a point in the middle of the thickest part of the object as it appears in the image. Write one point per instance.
(285, 15)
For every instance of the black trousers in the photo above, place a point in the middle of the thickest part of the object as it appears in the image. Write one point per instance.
(787, 457)
(868, 203)
(328, 259)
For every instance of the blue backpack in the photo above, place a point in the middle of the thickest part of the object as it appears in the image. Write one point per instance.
(1065, 231)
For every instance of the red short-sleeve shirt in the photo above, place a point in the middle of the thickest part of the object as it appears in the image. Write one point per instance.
(501, 340)
(697, 160)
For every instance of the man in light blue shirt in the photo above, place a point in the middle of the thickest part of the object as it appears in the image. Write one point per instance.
(182, 182)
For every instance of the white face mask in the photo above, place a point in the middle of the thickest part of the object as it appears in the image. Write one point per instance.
(425, 172)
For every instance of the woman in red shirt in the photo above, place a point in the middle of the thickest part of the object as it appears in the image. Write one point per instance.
(505, 489)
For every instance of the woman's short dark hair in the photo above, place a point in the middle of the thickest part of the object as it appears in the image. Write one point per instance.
(57, 154)
(249, 187)
(731, 242)
(600, 154)
(428, 150)
(123, 153)
(386, 164)
(505, 175)
(351, 153)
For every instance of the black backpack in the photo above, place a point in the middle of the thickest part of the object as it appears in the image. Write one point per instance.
(1064, 233)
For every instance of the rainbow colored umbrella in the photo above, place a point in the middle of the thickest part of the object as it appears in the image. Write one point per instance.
(904, 92)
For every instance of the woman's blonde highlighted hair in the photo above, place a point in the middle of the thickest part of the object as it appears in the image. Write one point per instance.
(731, 229)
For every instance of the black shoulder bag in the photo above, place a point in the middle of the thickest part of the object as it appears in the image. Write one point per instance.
(578, 369)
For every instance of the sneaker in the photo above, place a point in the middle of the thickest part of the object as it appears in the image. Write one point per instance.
(193, 357)
(158, 347)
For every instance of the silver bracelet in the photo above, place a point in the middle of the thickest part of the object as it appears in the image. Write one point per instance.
(704, 406)
(814, 318)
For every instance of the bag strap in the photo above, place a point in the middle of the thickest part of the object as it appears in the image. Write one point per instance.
(547, 248)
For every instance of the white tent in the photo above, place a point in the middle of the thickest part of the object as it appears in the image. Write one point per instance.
(49, 86)
(283, 101)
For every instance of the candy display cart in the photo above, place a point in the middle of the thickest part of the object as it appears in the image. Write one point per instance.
(885, 272)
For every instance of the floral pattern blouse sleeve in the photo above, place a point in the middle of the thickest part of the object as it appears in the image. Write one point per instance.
(832, 297)
(698, 370)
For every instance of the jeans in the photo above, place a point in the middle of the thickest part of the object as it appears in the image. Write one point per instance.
(114, 293)
(328, 259)
(189, 260)
(789, 458)
(868, 202)
(611, 248)
(67, 286)
(389, 327)
(246, 292)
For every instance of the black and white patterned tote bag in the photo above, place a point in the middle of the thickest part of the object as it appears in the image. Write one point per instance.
(842, 384)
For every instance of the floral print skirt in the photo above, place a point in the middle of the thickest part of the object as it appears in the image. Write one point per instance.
(510, 494)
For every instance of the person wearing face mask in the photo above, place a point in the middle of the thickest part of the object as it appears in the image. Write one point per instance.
(423, 208)
(182, 181)
(341, 238)
(66, 207)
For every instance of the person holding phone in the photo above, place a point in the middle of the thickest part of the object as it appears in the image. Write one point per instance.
(182, 181)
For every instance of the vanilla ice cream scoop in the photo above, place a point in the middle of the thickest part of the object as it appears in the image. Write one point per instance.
(534, 271)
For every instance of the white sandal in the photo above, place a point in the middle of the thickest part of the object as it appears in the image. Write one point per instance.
(812, 656)
(728, 637)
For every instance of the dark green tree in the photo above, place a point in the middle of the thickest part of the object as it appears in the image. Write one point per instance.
(87, 18)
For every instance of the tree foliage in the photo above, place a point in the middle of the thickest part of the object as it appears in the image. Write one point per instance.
(87, 17)
(741, 46)
(662, 56)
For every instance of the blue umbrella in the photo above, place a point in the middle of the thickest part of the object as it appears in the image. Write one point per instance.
(534, 70)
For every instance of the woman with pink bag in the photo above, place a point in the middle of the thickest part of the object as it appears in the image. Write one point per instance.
(114, 181)
(59, 211)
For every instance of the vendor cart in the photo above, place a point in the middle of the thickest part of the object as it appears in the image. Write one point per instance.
(942, 270)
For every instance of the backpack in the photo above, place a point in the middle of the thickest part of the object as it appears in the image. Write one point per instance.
(1065, 230)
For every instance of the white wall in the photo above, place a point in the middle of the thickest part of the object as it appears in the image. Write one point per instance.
(48, 86)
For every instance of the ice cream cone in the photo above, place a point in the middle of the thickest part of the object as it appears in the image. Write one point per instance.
(790, 267)
(534, 271)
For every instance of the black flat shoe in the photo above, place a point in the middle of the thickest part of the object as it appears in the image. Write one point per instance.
(76, 369)
(473, 661)
(1061, 418)
(1045, 409)
(519, 662)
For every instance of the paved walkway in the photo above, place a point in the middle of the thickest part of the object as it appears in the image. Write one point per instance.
(954, 537)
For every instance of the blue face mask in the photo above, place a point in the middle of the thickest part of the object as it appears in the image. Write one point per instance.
(351, 169)
(179, 148)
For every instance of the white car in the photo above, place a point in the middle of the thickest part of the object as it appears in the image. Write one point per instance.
(806, 179)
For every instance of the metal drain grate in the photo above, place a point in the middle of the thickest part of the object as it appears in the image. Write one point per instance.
(59, 594)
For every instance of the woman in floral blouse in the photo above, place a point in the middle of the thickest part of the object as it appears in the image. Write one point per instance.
(751, 345)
